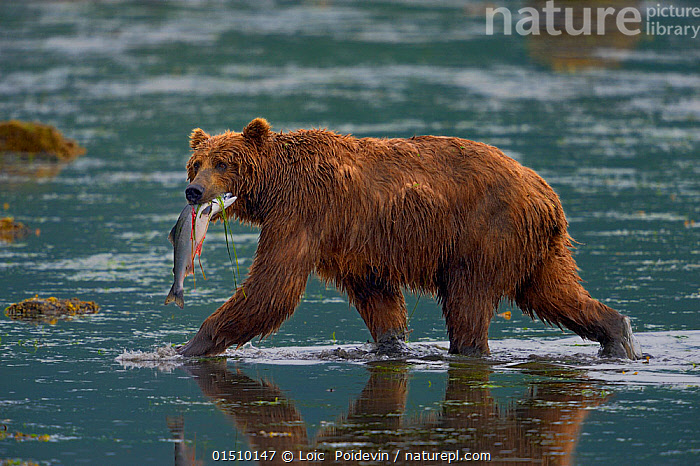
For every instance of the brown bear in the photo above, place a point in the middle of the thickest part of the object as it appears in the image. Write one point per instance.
(446, 216)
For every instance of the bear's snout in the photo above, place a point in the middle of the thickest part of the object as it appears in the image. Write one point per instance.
(194, 193)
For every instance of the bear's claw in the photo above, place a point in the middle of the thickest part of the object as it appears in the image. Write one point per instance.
(626, 347)
(188, 349)
(200, 346)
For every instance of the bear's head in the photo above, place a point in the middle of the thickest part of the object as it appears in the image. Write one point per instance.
(228, 162)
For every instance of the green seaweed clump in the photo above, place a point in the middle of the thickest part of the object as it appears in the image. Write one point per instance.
(37, 139)
(50, 309)
(21, 436)
(11, 230)
(16, 462)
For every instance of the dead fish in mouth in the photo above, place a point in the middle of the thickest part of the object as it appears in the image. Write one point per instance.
(187, 237)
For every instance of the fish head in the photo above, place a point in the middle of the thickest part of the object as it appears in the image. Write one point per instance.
(226, 163)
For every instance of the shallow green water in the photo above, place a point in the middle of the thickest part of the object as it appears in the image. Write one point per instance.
(618, 141)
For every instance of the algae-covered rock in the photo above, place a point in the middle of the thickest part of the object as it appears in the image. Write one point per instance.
(37, 140)
(11, 230)
(50, 309)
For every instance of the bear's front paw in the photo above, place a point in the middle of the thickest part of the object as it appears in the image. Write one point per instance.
(393, 343)
(200, 345)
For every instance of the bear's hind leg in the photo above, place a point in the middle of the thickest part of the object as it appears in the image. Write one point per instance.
(383, 309)
(468, 305)
(554, 293)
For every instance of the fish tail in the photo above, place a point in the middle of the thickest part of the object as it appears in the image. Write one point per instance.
(176, 296)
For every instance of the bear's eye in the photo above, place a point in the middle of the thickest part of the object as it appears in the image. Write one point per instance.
(221, 166)
(195, 166)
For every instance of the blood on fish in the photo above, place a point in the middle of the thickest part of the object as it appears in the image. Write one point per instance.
(197, 248)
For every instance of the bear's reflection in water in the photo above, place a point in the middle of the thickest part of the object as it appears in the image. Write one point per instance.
(594, 39)
(542, 427)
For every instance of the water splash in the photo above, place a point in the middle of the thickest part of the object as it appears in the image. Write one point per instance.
(674, 357)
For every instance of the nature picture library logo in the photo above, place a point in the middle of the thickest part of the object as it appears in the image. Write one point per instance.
(577, 18)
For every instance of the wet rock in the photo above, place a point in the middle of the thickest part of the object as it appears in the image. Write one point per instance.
(50, 309)
(34, 149)
(21, 137)
(11, 230)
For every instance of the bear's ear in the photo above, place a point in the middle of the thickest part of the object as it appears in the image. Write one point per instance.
(197, 137)
(257, 131)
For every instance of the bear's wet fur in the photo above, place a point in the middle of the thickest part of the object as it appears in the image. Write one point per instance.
(445, 216)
